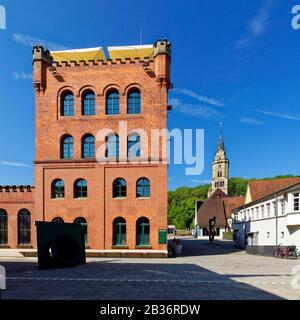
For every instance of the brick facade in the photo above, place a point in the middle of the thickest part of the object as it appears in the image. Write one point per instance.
(51, 80)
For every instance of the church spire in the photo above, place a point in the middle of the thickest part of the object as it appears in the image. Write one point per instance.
(220, 168)
(221, 145)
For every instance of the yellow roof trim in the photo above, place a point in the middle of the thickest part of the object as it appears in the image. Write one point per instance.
(79, 54)
(132, 52)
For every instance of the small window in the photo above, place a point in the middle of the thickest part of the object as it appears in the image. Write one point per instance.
(296, 201)
(142, 232)
(143, 188)
(88, 147)
(119, 188)
(58, 189)
(282, 234)
(119, 232)
(89, 104)
(112, 103)
(3, 228)
(67, 147)
(134, 146)
(80, 189)
(112, 146)
(134, 102)
(24, 227)
(67, 108)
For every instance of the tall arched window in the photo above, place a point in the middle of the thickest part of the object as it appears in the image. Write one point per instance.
(67, 147)
(134, 145)
(67, 104)
(143, 188)
(3, 228)
(84, 226)
(58, 220)
(112, 103)
(134, 102)
(143, 232)
(80, 188)
(119, 232)
(89, 104)
(112, 146)
(88, 147)
(119, 188)
(58, 189)
(24, 229)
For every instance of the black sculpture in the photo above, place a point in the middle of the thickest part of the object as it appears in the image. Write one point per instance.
(211, 229)
(60, 244)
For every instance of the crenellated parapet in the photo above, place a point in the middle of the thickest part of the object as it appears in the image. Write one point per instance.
(14, 188)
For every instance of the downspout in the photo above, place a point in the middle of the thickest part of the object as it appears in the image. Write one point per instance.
(276, 214)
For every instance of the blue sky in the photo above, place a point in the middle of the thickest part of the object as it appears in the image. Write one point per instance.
(233, 61)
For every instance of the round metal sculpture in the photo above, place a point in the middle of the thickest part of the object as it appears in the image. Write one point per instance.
(211, 229)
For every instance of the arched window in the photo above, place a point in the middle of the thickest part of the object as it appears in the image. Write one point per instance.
(134, 102)
(80, 189)
(3, 228)
(143, 188)
(112, 146)
(143, 232)
(58, 220)
(119, 232)
(112, 103)
(67, 147)
(84, 226)
(58, 189)
(119, 188)
(88, 147)
(89, 104)
(134, 145)
(67, 105)
(24, 227)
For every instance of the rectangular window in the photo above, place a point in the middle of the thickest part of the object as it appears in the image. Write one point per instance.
(296, 201)
(282, 206)
(262, 212)
(268, 210)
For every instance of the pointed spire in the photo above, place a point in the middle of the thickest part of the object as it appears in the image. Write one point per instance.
(221, 142)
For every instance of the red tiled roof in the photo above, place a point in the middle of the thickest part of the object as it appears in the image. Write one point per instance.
(231, 203)
(263, 188)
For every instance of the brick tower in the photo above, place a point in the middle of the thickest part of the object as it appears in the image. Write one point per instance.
(121, 204)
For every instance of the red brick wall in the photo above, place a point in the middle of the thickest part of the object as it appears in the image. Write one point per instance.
(12, 200)
(99, 209)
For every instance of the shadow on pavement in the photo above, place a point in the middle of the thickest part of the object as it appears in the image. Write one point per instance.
(126, 280)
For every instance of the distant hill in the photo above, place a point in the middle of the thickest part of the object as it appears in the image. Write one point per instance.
(182, 201)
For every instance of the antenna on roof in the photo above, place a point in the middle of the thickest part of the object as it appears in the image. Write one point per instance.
(141, 35)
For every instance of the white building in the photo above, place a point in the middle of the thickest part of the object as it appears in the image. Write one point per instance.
(260, 225)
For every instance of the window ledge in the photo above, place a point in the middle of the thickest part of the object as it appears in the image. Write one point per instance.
(81, 198)
(25, 246)
(143, 198)
(120, 198)
(120, 247)
(57, 198)
(143, 247)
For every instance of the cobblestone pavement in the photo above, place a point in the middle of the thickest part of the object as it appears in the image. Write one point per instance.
(205, 271)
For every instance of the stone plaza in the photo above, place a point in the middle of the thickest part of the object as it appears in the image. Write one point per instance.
(204, 272)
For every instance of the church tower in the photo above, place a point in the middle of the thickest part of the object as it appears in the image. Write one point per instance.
(220, 168)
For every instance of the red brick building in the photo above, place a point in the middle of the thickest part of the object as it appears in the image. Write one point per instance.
(85, 177)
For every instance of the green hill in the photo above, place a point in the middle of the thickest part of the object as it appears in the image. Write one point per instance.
(181, 202)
